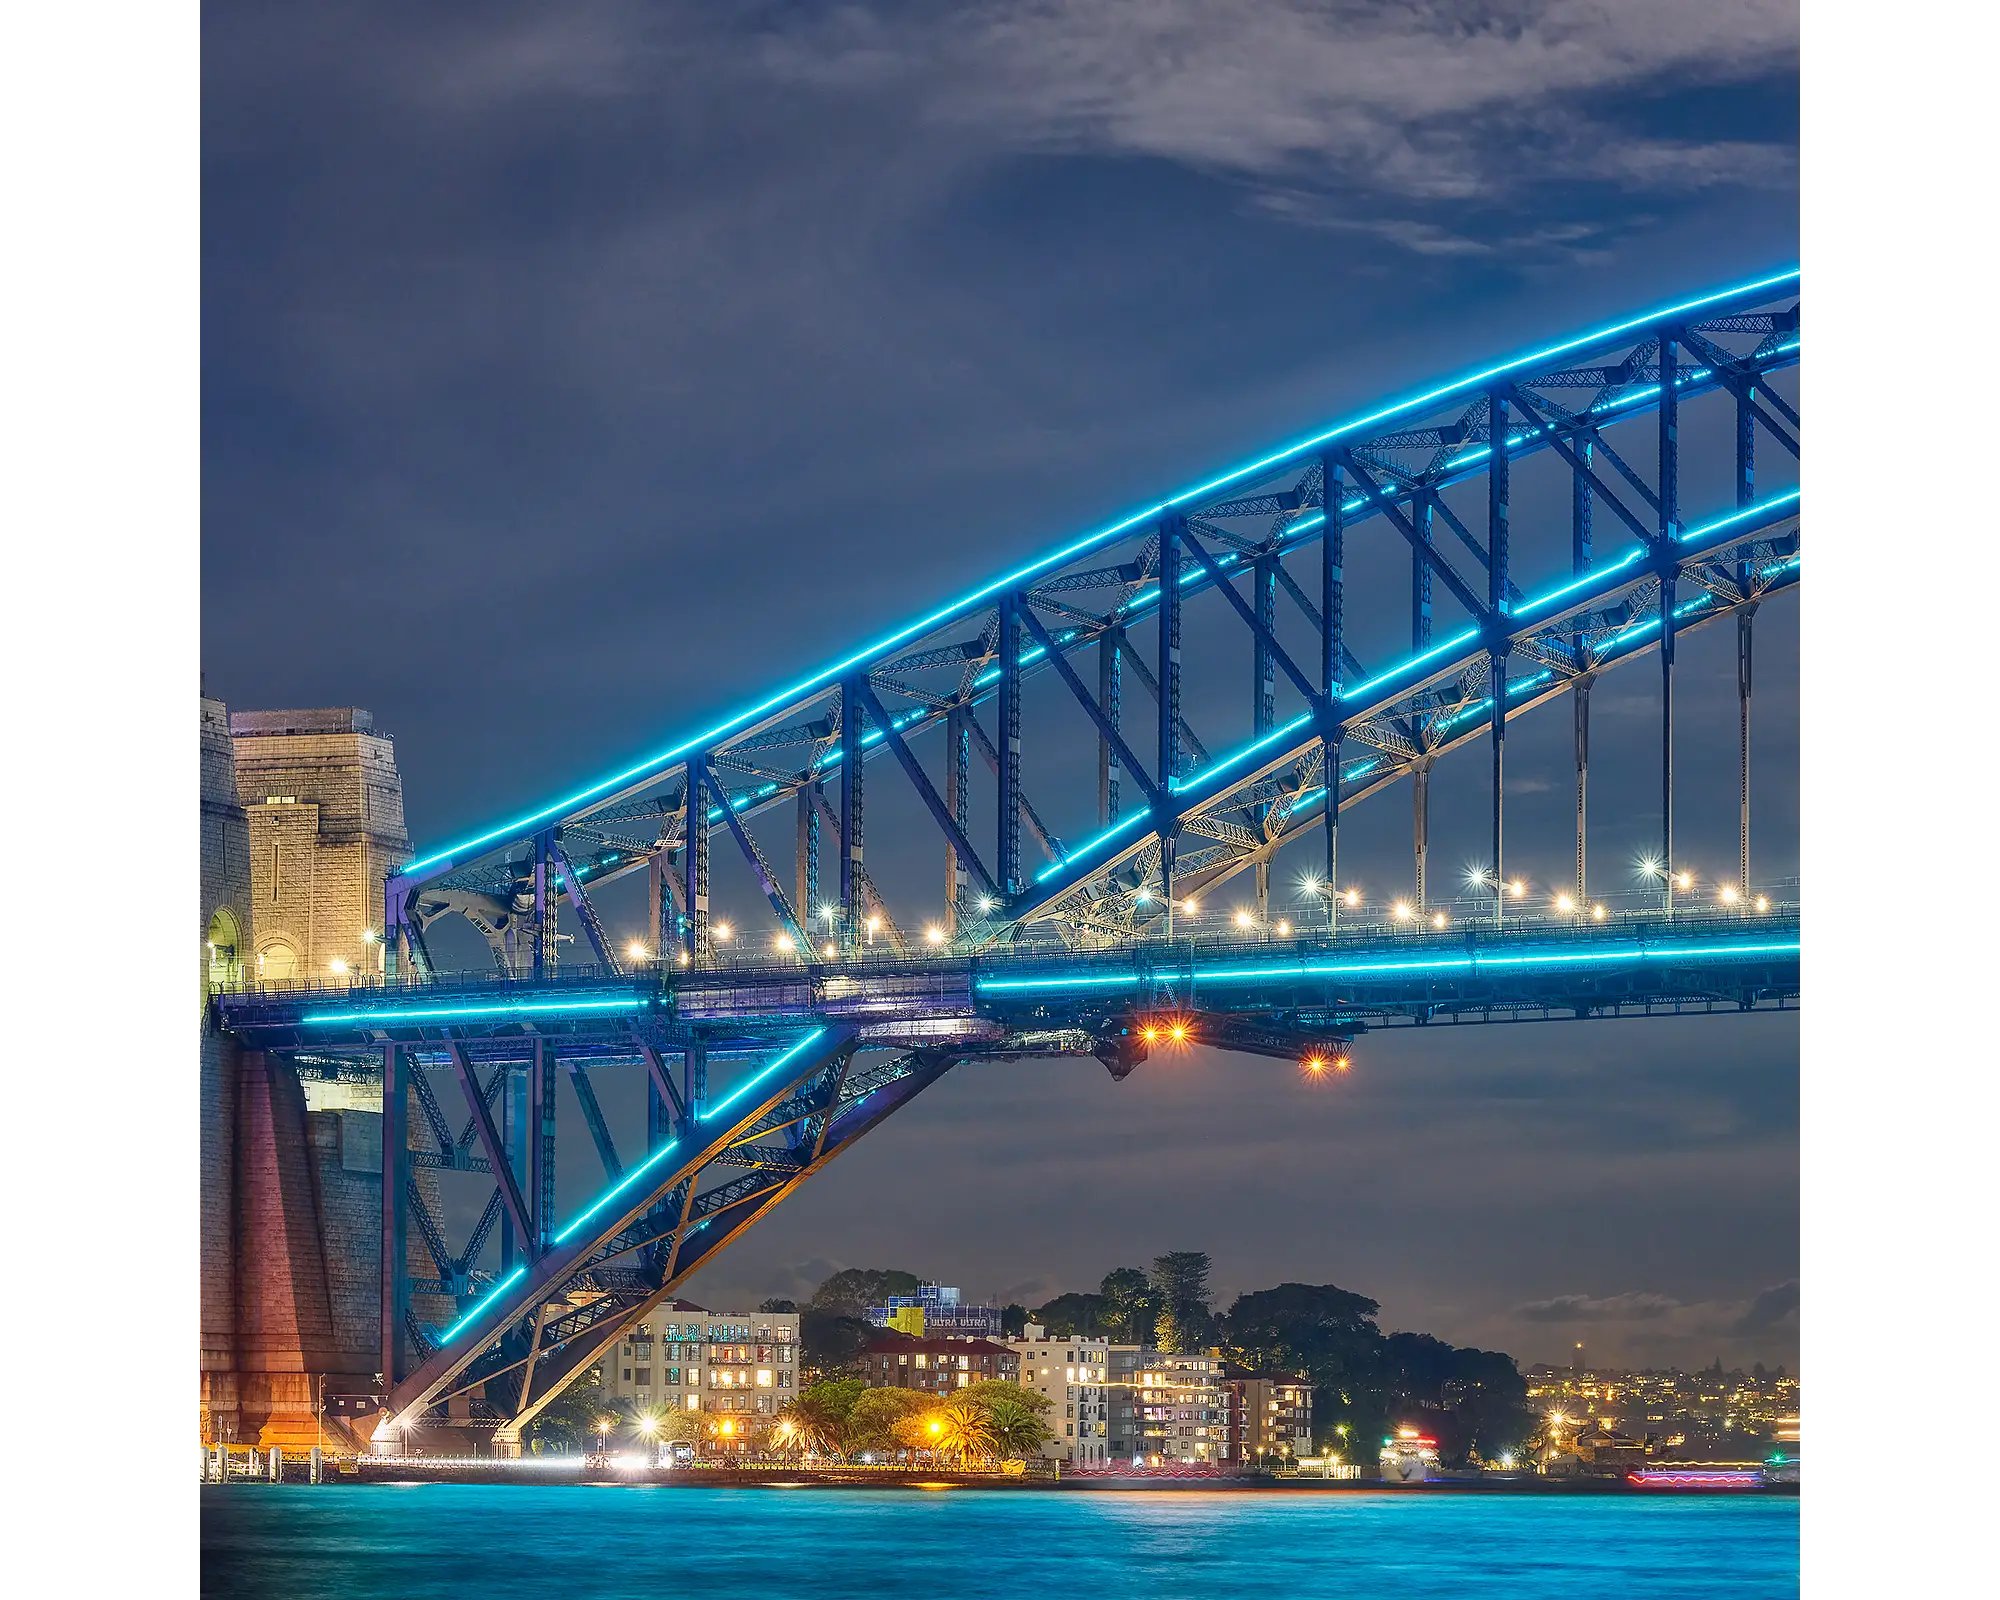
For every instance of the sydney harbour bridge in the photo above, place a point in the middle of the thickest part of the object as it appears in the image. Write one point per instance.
(1520, 533)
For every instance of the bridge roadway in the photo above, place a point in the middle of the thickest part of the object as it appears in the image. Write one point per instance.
(1261, 995)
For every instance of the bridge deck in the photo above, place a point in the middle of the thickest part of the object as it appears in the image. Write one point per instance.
(1347, 983)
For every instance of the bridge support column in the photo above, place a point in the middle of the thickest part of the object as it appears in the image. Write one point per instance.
(395, 1174)
(1333, 639)
(542, 1146)
(694, 859)
(1746, 492)
(806, 857)
(851, 915)
(1264, 702)
(544, 931)
(1170, 654)
(694, 1077)
(1167, 891)
(1420, 804)
(1497, 682)
(1110, 686)
(1582, 505)
(1009, 647)
(1580, 695)
(958, 763)
(1669, 415)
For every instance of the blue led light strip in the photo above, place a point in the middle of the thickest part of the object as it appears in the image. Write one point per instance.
(522, 1008)
(748, 1084)
(617, 1189)
(937, 618)
(481, 1304)
(1339, 969)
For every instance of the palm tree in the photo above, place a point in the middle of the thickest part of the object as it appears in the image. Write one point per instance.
(964, 1432)
(1017, 1429)
(815, 1427)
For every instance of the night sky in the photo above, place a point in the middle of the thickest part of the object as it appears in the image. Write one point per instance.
(574, 373)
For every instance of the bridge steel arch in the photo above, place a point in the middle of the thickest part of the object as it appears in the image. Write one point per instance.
(1175, 819)
(1051, 947)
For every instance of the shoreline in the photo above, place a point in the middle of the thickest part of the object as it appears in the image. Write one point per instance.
(401, 1475)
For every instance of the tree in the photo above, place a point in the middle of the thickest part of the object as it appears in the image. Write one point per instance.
(831, 1344)
(1079, 1316)
(962, 1432)
(1366, 1382)
(1183, 1321)
(878, 1416)
(822, 1417)
(849, 1293)
(777, 1305)
(569, 1421)
(1130, 1306)
(1018, 1429)
(1013, 1320)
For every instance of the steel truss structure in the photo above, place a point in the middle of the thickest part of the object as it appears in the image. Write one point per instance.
(1178, 819)
(1076, 951)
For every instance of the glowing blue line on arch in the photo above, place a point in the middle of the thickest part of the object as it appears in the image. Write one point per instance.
(828, 675)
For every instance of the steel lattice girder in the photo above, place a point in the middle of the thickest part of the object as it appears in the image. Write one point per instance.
(590, 1237)
(574, 1304)
(1402, 457)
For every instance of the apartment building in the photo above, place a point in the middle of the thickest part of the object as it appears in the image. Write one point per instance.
(935, 1366)
(1165, 1408)
(1074, 1375)
(685, 1356)
(1270, 1417)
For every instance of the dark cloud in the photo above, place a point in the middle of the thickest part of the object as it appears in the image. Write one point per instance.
(1628, 1307)
(1774, 1306)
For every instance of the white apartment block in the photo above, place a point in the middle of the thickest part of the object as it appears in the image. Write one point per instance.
(1180, 1405)
(1072, 1373)
(686, 1357)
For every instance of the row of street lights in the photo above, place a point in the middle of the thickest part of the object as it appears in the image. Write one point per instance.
(1562, 903)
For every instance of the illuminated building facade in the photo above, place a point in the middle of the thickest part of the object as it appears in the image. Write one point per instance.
(1166, 1408)
(936, 1366)
(1072, 1374)
(686, 1357)
(1270, 1417)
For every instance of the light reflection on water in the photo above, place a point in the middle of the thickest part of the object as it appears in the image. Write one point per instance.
(618, 1543)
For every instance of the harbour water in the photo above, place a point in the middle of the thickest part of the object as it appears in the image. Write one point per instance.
(431, 1541)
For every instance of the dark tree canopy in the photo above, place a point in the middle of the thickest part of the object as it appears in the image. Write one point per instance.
(1078, 1316)
(851, 1292)
(1130, 1306)
(777, 1305)
(1366, 1382)
(1182, 1321)
(830, 1344)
